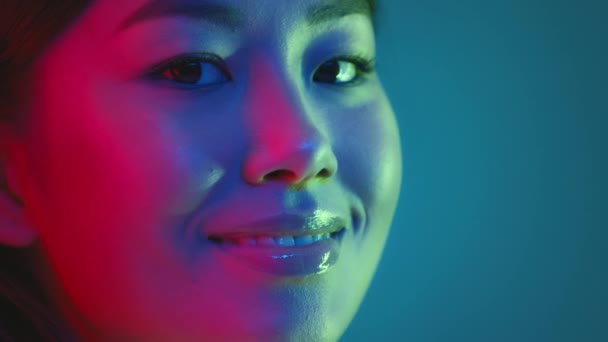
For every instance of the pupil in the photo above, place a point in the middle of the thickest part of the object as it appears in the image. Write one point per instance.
(187, 72)
(328, 72)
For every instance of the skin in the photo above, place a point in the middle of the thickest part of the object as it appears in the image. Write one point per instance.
(117, 172)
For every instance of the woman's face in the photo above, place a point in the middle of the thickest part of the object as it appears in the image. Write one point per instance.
(219, 170)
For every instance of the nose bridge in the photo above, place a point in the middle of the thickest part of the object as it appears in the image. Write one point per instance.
(287, 142)
(273, 103)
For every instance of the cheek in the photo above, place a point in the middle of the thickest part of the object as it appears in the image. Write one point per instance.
(104, 175)
(98, 168)
(97, 159)
(369, 151)
(106, 182)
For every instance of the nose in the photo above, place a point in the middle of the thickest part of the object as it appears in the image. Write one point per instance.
(288, 143)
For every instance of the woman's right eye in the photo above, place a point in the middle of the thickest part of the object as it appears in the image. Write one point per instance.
(192, 71)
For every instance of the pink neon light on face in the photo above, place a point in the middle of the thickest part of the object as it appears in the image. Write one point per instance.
(142, 183)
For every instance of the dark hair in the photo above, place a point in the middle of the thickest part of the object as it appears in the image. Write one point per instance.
(27, 28)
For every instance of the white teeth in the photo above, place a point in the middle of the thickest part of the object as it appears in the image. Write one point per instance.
(302, 240)
(285, 240)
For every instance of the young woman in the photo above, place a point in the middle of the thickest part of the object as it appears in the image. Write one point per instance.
(191, 170)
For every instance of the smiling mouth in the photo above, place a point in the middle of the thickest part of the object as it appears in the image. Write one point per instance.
(285, 245)
(270, 240)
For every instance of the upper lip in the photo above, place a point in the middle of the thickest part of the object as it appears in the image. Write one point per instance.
(319, 222)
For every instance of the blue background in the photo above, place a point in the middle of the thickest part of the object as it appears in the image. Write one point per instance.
(500, 233)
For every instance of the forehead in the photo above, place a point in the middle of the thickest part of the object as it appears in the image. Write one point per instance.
(113, 16)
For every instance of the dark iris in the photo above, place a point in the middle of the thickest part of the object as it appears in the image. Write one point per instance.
(189, 72)
(327, 72)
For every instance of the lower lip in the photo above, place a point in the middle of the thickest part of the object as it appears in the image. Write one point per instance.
(296, 261)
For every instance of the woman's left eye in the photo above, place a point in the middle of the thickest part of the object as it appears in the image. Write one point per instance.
(192, 71)
(343, 70)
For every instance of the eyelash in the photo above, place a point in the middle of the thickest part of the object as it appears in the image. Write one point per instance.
(157, 71)
(364, 66)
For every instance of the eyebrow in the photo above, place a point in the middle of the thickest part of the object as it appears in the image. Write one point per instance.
(231, 17)
(337, 9)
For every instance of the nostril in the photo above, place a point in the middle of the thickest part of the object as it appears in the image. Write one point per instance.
(289, 176)
(324, 173)
(279, 175)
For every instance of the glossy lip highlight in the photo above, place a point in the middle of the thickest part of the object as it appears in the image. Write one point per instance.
(280, 260)
(320, 222)
(298, 261)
